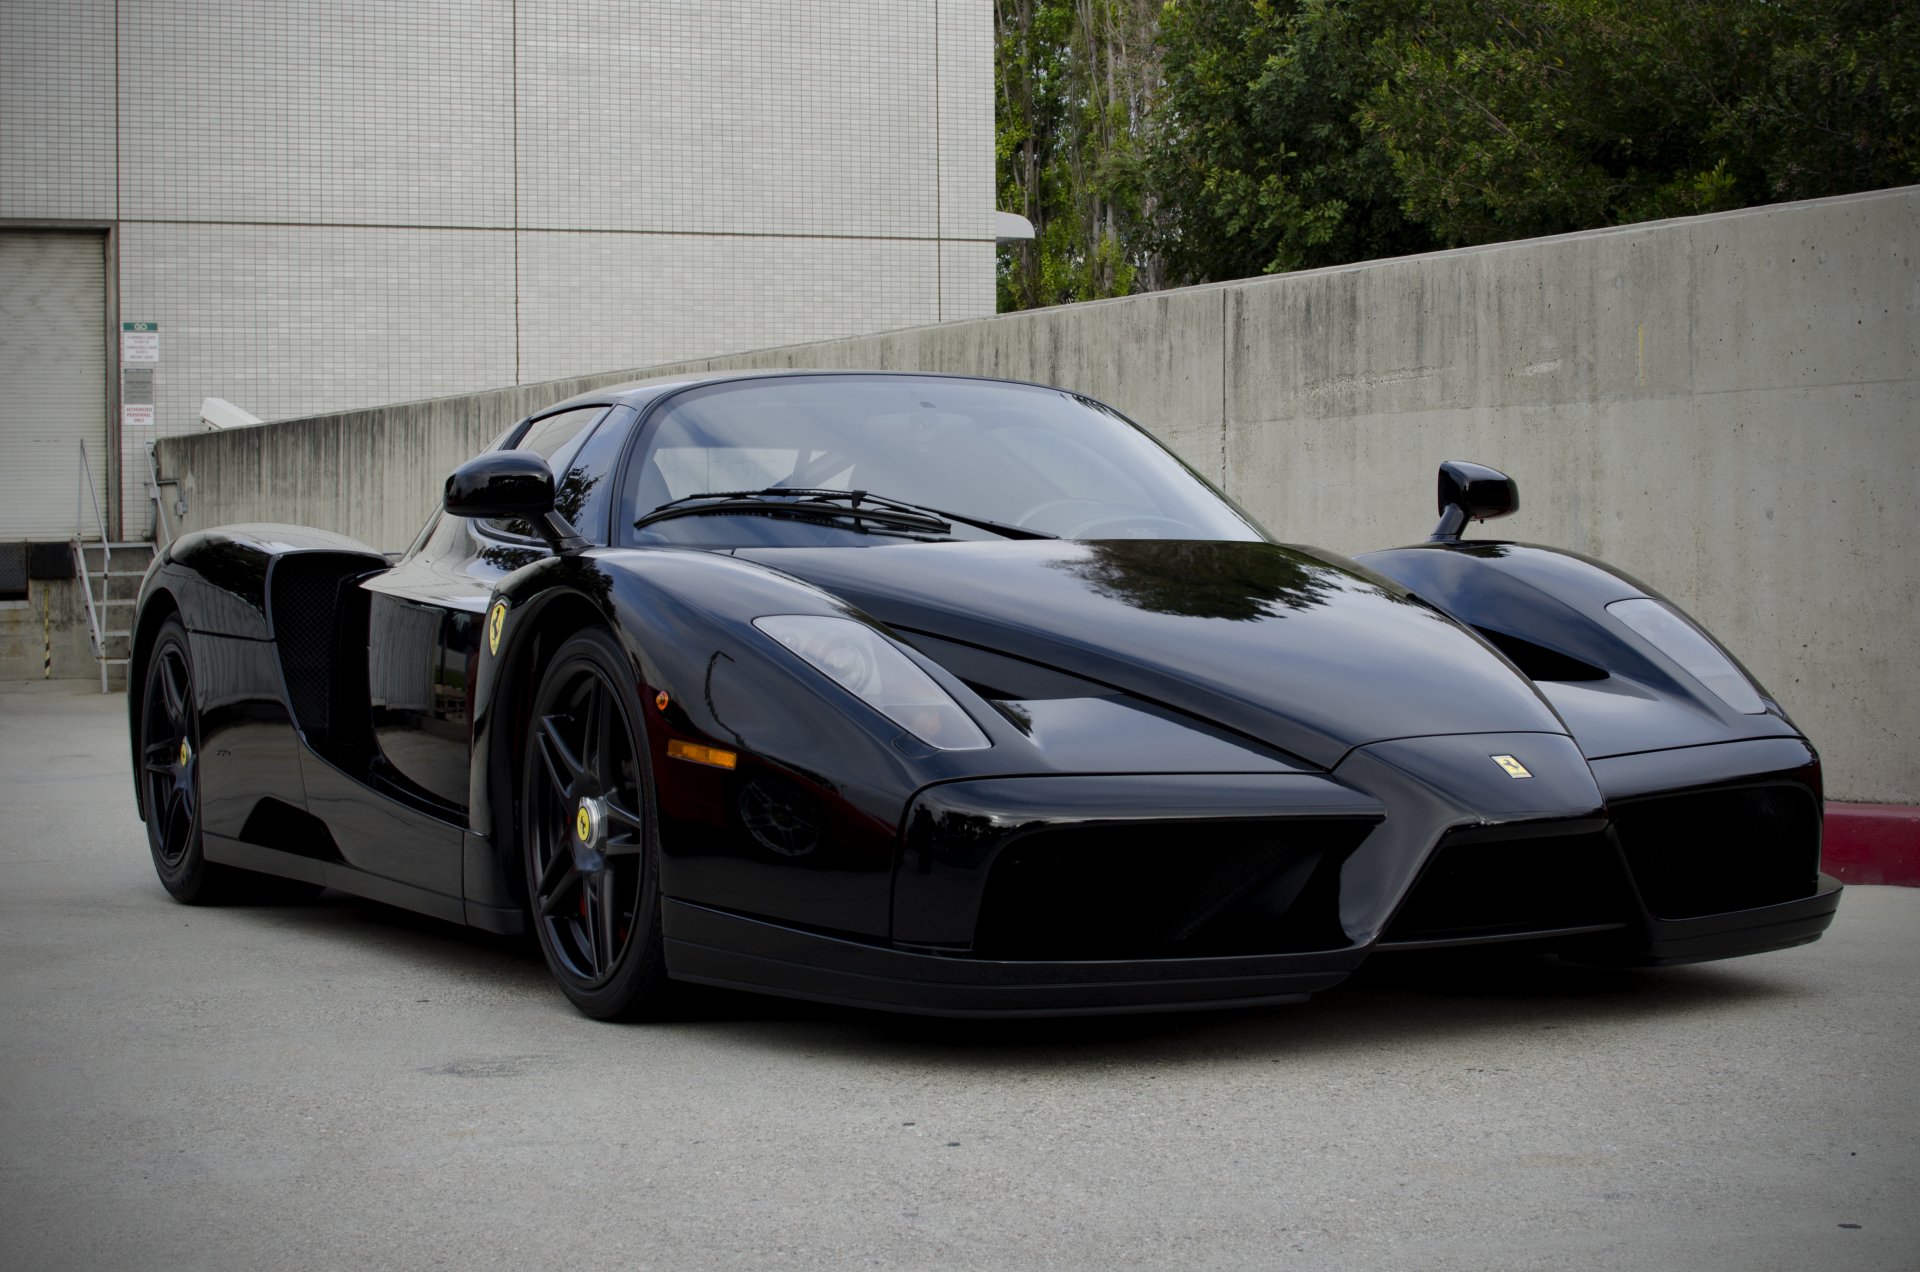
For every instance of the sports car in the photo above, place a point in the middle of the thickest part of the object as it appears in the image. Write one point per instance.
(956, 696)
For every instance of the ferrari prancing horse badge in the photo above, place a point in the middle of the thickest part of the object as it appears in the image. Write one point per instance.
(495, 622)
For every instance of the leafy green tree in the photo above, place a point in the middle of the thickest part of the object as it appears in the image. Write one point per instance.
(1839, 107)
(1513, 118)
(1257, 156)
(1075, 85)
(1161, 142)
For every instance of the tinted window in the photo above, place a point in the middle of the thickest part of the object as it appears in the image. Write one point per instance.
(585, 493)
(554, 438)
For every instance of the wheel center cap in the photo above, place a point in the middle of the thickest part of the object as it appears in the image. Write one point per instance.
(587, 820)
(186, 752)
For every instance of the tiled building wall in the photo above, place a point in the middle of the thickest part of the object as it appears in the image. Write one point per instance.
(353, 202)
(271, 317)
(56, 110)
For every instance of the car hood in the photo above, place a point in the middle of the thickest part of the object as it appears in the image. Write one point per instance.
(1302, 649)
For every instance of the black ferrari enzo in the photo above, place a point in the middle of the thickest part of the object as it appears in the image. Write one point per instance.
(957, 696)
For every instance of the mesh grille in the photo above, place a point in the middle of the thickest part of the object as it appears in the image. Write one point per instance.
(305, 594)
(13, 571)
(1707, 852)
(1168, 890)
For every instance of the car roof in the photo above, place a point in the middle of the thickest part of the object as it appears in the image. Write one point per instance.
(636, 393)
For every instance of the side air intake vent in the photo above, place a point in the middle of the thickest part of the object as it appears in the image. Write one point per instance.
(318, 618)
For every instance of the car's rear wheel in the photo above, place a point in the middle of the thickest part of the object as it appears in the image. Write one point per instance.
(170, 787)
(170, 773)
(590, 844)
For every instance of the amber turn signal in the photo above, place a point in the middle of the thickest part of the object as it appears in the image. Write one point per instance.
(718, 757)
(660, 700)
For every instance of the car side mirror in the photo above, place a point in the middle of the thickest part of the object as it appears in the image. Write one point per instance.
(503, 484)
(1471, 492)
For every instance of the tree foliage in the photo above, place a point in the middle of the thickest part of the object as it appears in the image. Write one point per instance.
(1257, 156)
(1076, 82)
(1525, 117)
(1193, 140)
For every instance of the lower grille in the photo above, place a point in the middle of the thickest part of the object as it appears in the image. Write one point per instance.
(1475, 888)
(1707, 852)
(1165, 890)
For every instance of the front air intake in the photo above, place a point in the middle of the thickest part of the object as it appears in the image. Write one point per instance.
(1732, 848)
(1168, 890)
(1477, 888)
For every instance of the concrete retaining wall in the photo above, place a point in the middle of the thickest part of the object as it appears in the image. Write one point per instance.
(50, 624)
(1723, 406)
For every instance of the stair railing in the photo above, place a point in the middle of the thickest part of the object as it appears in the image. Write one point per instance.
(96, 619)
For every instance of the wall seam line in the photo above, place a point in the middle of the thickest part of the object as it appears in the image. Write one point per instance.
(115, 458)
(939, 211)
(443, 228)
(1226, 355)
(513, 56)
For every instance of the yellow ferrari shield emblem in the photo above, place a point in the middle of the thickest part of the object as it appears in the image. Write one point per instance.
(496, 621)
(1513, 767)
(583, 825)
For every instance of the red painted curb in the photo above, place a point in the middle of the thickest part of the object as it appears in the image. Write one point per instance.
(1872, 843)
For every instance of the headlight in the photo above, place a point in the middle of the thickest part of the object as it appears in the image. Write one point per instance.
(1681, 641)
(869, 666)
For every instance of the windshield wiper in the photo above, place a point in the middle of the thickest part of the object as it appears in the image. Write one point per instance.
(901, 505)
(876, 507)
(804, 503)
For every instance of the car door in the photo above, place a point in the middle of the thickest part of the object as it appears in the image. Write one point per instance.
(425, 627)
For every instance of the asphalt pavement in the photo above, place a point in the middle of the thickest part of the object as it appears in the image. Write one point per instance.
(347, 1085)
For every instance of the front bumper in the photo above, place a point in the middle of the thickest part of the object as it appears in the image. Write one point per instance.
(713, 947)
(1085, 895)
(1672, 942)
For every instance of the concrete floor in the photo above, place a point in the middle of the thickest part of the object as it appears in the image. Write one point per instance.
(345, 1085)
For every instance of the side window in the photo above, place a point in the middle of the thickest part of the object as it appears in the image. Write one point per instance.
(585, 493)
(553, 438)
(549, 436)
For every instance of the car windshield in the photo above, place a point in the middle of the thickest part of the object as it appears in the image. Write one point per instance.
(1017, 456)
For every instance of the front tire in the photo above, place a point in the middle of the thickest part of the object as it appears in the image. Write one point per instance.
(589, 840)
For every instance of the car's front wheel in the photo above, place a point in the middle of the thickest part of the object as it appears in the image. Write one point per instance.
(590, 845)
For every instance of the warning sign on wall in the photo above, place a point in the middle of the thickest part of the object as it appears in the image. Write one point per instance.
(139, 342)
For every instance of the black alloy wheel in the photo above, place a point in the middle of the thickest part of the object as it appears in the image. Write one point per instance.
(170, 772)
(587, 825)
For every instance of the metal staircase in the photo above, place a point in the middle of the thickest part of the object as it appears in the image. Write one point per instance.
(109, 573)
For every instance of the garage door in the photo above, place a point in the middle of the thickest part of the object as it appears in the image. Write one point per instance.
(53, 378)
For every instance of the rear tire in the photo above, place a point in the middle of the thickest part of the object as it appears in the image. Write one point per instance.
(170, 774)
(590, 844)
(170, 788)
